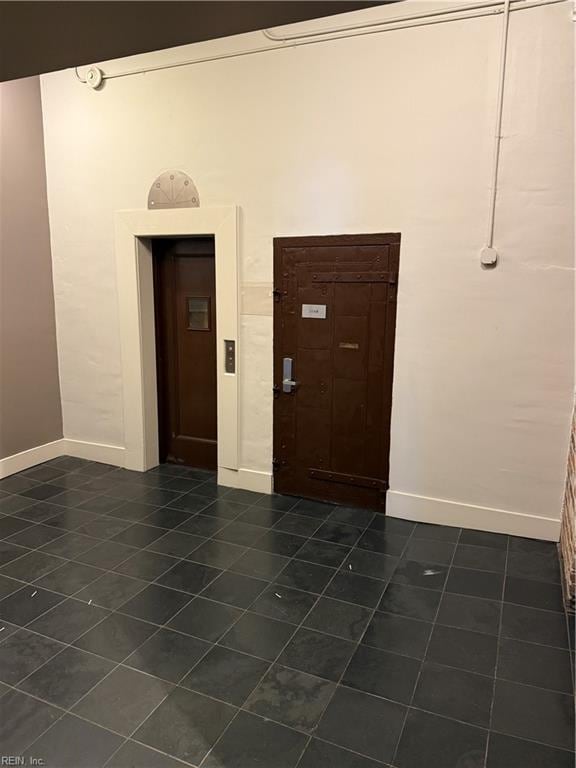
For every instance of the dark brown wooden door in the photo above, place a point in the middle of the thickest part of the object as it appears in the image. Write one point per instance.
(185, 291)
(334, 317)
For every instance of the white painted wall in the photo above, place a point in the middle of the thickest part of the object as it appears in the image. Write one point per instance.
(388, 132)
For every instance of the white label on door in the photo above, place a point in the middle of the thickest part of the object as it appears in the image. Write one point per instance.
(314, 310)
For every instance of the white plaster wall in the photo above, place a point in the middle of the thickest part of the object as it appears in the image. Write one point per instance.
(388, 132)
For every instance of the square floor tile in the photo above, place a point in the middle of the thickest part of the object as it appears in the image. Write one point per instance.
(166, 518)
(239, 533)
(414, 573)
(473, 613)
(305, 576)
(467, 581)
(534, 546)
(277, 502)
(323, 553)
(176, 544)
(484, 539)
(116, 637)
(44, 491)
(69, 545)
(413, 602)
(103, 528)
(134, 511)
(262, 565)
(189, 577)
(480, 558)
(251, 742)
(9, 505)
(219, 554)
(27, 604)
(32, 566)
(538, 665)
(508, 752)
(106, 554)
(320, 754)
(533, 713)
(301, 526)
(146, 565)
(534, 594)
(363, 723)
(384, 543)
(74, 743)
(139, 535)
(111, 590)
(383, 674)
(17, 483)
(226, 675)
(464, 649)
(8, 586)
(22, 653)
(68, 620)
(436, 532)
(225, 510)
(398, 634)
(455, 693)
(266, 518)
(440, 552)
(258, 635)
(279, 602)
(361, 518)
(37, 512)
(534, 625)
(205, 619)
(69, 578)
(156, 604)
(340, 619)
(66, 677)
(317, 653)
(279, 543)
(134, 755)
(530, 565)
(123, 700)
(23, 720)
(70, 519)
(186, 725)
(201, 525)
(9, 552)
(292, 698)
(338, 533)
(428, 740)
(316, 509)
(168, 655)
(35, 536)
(235, 589)
(101, 504)
(354, 588)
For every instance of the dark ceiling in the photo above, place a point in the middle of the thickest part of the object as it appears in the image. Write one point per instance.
(38, 37)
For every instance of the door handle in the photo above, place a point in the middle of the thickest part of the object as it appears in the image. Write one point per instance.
(288, 383)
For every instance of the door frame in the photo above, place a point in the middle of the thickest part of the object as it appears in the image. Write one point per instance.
(133, 232)
(392, 239)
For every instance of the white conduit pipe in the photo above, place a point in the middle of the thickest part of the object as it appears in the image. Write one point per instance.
(488, 254)
(419, 20)
(392, 20)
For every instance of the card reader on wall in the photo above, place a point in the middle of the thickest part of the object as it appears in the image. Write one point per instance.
(229, 356)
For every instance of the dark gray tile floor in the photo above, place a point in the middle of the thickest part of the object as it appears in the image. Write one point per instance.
(158, 620)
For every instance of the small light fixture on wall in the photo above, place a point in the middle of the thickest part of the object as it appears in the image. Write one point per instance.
(173, 189)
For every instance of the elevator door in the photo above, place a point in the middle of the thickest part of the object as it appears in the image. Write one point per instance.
(185, 292)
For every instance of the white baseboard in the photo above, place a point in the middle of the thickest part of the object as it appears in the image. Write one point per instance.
(18, 462)
(246, 479)
(105, 454)
(425, 509)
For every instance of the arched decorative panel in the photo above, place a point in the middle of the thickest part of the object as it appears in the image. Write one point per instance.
(173, 189)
